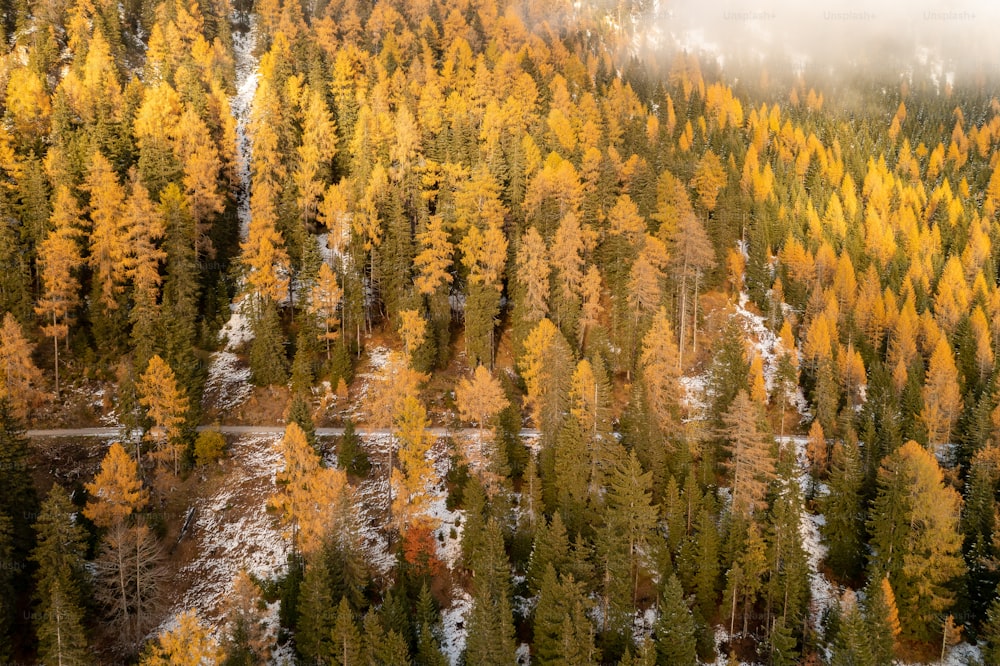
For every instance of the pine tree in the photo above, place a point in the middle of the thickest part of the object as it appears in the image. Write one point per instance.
(346, 644)
(707, 553)
(882, 620)
(268, 363)
(351, 456)
(843, 529)
(18, 501)
(675, 628)
(560, 601)
(7, 601)
(625, 541)
(491, 624)
(788, 579)
(382, 648)
(851, 647)
(59, 582)
(317, 614)
(991, 633)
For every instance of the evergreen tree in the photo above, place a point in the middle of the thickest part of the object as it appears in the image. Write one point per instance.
(563, 632)
(675, 628)
(60, 582)
(247, 639)
(317, 614)
(788, 580)
(626, 539)
(18, 500)
(851, 646)
(299, 413)
(844, 526)
(351, 455)
(991, 633)
(881, 620)
(551, 547)
(491, 623)
(268, 363)
(381, 647)
(346, 642)
(707, 554)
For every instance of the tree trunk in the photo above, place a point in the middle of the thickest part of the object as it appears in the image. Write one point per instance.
(680, 347)
(694, 317)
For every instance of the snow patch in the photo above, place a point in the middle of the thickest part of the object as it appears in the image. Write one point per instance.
(228, 385)
(454, 628)
(823, 594)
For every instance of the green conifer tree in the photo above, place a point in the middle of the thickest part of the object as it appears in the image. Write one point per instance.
(346, 638)
(842, 507)
(675, 629)
(490, 639)
(268, 364)
(59, 582)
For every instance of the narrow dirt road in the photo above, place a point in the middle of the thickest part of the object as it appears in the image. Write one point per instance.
(263, 430)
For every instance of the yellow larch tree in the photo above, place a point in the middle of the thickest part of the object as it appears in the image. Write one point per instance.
(20, 378)
(533, 271)
(59, 258)
(709, 179)
(311, 498)
(412, 331)
(116, 491)
(187, 643)
(416, 475)
(324, 301)
(202, 166)
(166, 404)
(479, 399)
(263, 254)
(645, 283)
(109, 249)
(592, 309)
(315, 153)
(433, 261)
(661, 374)
(984, 342)
(146, 228)
(567, 255)
(942, 396)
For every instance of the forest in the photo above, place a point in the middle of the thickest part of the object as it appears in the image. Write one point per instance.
(474, 332)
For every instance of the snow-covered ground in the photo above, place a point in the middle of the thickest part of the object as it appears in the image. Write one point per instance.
(240, 105)
(453, 627)
(232, 529)
(227, 384)
(821, 590)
